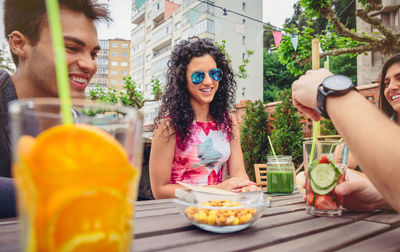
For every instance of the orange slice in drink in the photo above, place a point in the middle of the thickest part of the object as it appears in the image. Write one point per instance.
(94, 221)
(82, 179)
(68, 155)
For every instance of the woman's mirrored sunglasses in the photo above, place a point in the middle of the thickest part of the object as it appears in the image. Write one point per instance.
(198, 76)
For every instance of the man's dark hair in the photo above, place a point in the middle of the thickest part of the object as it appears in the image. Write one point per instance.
(28, 17)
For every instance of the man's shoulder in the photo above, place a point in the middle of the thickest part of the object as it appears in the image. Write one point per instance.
(7, 90)
(4, 77)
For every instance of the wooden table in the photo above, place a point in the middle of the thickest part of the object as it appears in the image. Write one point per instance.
(285, 226)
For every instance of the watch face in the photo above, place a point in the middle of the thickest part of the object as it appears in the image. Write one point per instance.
(338, 82)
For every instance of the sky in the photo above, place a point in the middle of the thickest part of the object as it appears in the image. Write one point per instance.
(274, 11)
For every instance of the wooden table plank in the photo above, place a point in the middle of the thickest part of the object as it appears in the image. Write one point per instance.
(156, 212)
(8, 221)
(154, 206)
(9, 237)
(248, 239)
(386, 242)
(391, 218)
(156, 225)
(284, 197)
(332, 239)
(187, 238)
(152, 202)
(287, 202)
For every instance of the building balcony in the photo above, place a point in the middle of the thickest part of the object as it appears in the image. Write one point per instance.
(157, 10)
(137, 15)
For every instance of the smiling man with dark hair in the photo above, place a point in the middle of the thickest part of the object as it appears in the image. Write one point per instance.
(28, 35)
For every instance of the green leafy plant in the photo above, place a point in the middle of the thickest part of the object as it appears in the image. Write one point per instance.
(157, 91)
(338, 37)
(276, 77)
(129, 96)
(5, 61)
(327, 128)
(287, 131)
(242, 72)
(254, 133)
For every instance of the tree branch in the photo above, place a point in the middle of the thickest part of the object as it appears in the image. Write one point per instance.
(375, 22)
(336, 52)
(341, 28)
(133, 98)
(375, 4)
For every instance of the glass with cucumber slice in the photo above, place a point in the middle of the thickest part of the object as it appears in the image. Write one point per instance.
(323, 177)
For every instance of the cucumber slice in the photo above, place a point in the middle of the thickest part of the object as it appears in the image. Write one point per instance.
(322, 191)
(323, 176)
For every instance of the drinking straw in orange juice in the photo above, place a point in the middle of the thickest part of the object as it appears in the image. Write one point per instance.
(75, 190)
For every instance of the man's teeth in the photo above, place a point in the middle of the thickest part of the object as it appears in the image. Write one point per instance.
(395, 97)
(80, 80)
(206, 90)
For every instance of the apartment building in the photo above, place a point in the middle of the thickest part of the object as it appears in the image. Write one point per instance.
(100, 78)
(112, 64)
(154, 37)
(369, 66)
(118, 62)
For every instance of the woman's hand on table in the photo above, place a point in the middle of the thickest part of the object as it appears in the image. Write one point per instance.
(250, 188)
(359, 193)
(236, 184)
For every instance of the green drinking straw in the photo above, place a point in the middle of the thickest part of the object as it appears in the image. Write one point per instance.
(273, 151)
(53, 13)
(314, 142)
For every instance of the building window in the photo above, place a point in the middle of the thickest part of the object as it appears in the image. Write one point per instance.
(124, 54)
(177, 26)
(114, 63)
(114, 45)
(114, 82)
(124, 45)
(243, 56)
(124, 63)
(243, 21)
(113, 72)
(124, 72)
(243, 40)
(243, 5)
(243, 91)
(115, 54)
(148, 57)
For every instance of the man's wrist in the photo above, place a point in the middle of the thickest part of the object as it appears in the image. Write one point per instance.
(332, 101)
(335, 85)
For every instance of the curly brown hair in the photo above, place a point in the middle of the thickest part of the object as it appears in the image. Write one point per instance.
(176, 99)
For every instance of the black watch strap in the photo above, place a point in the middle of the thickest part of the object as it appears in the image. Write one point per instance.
(321, 101)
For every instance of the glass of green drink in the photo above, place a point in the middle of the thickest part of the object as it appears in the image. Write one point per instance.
(280, 174)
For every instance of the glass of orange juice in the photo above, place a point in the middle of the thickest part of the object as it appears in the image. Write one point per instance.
(76, 184)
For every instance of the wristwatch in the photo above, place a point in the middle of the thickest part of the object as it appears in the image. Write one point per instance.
(335, 85)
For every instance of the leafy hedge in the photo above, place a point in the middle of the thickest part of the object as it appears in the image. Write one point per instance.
(254, 134)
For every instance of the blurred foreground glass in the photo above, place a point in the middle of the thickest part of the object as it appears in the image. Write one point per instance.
(76, 184)
(280, 175)
(323, 174)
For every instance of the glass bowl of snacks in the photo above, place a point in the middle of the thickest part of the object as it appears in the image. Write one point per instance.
(222, 213)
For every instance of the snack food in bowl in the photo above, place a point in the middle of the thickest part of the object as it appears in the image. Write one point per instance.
(222, 213)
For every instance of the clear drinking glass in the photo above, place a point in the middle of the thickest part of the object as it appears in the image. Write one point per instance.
(76, 184)
(325, 171)
(280, 175)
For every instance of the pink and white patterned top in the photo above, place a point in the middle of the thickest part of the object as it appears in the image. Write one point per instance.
(200, 160)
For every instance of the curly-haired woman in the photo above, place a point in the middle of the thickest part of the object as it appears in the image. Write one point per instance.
(195, 136)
